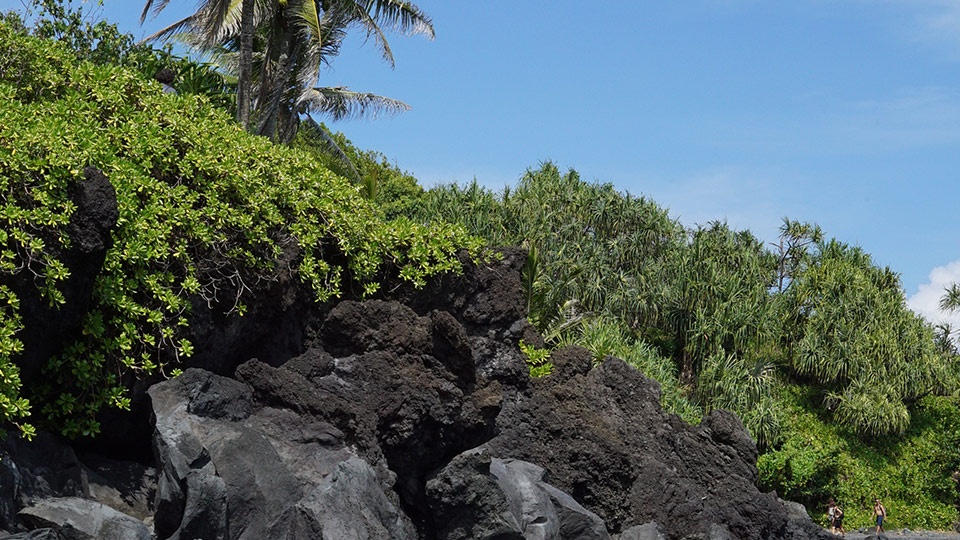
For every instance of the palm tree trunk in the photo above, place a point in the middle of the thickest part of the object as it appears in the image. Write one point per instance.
(271, 109)
(246, 63)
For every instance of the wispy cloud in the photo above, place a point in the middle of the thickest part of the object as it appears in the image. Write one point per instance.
(736, 195)
(933, 23)
(926, 301)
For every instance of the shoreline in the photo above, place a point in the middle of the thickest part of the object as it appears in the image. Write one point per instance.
(899, 534)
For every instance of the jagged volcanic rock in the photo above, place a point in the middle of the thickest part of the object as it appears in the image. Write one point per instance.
(412, 416)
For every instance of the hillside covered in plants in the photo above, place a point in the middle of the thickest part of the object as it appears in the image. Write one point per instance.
(847, 393)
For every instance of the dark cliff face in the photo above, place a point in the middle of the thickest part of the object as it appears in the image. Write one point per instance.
(431, 390)
(47, 329)
(412, 416)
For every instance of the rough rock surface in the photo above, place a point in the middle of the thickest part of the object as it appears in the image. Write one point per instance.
(46, 329)
(604, 439)
(412, 416)
(83, 518)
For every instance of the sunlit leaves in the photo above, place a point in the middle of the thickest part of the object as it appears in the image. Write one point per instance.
(538, 360)
(860, 343)
(205, 213)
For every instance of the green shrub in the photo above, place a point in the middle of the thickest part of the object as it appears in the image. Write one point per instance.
(206, 211)
(912, 474)
(538, 360)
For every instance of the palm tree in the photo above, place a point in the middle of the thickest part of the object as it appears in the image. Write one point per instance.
(210, 23)
(244, 75)
(295, 44)
(289, 42)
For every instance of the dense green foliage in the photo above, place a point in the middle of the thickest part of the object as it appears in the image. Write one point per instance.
(206, 211)
(848, 393)
(913, 475)
(101, 42)
(723, 321)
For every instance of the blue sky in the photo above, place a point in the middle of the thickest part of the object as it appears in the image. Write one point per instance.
(845, 113)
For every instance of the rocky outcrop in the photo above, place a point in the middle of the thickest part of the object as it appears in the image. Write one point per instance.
(47, 328)
(412, 417)
(605, 440)
(84, 518)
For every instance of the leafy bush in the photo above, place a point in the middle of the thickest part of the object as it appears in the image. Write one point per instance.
(913, 474)
(91, 38)
(206, 211)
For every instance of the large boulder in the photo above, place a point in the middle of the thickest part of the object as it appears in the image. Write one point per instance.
(81, 519)
(477, 496)
(230, 469)
(31, 471)
(34, 473)
(603, 438)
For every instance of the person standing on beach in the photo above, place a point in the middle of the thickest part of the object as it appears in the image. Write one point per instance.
(880, 513)
(831, 513)
(838, 522)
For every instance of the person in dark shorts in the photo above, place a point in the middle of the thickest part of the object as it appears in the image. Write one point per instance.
(880, 513)
(838, 521)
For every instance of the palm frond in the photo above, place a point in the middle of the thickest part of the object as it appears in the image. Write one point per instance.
(361, 15)
(340, 103)
(403, 17)
(183, 25)
(156, 9)
(951, 298)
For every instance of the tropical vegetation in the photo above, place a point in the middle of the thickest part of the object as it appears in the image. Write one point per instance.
(845, 389)
(277, 49)
(206, 212)
(847, 392)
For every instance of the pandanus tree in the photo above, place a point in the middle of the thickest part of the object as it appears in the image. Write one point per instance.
(951, 298)
(283, 45)
(858, 342)
(720, 314)
(945, 332)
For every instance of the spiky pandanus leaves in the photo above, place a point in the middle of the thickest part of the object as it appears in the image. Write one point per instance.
(745, 387)
(871, 407)
(951, 298)
(718, 300)
(859, 342)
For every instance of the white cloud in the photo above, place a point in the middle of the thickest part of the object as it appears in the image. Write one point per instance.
(926, 301)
